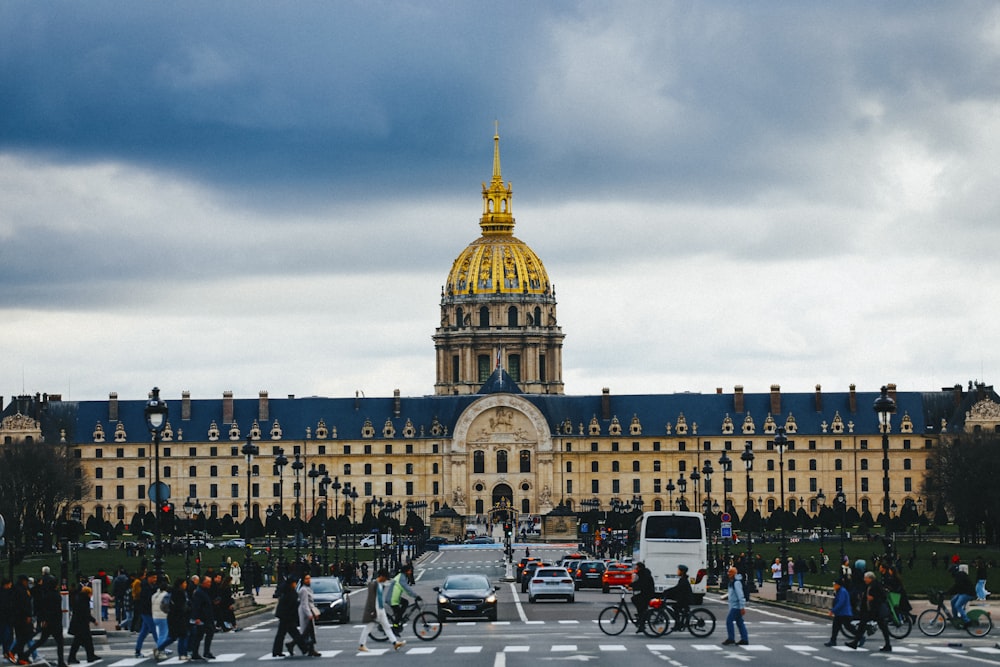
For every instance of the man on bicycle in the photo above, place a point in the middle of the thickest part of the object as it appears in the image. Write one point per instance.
(962, 592)
(397, 585)
(643, 589)
(680, 592)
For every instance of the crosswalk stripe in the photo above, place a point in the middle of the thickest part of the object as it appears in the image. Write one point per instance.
(469, 649)
(564, 648)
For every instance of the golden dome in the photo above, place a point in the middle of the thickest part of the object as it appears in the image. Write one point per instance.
(497, 262)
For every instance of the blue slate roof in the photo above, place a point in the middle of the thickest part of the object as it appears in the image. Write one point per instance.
(654, 411)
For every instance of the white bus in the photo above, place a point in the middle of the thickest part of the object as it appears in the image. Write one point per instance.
(665, 540)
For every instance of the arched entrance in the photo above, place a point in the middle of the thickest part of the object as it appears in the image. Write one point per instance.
(503, 491)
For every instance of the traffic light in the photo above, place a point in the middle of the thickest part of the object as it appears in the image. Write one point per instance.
(506, 529)
(166, 509)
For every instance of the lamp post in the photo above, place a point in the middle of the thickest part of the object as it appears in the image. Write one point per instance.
(297, 466)
(780, 442)
(726, 464)
(706, 490)
(156, 420)
(336, 513)
(249, 450)
(884, 408)
(280, 461)
(670, 493)
(682, 486)
(917, 507)
(314, 474)
(840, 500)
(821, 501)
(747, 458)
(706, 510)
(590, 506)
(694, 476)
(354, 530)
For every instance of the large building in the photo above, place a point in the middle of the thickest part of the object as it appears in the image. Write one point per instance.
(500, 429)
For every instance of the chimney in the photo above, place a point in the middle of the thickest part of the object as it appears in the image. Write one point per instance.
(718, 391)
(262, 406)
(395, 402)
(957, 396)
(113, 406)
(227, 407)
(606, 403)
(738, 399)
(852, 399)
(891, 387)
(775, 399)
(819, 398)
(185, 405)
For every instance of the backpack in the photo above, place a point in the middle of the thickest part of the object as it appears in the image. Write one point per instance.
(745, 581)
(165, 604)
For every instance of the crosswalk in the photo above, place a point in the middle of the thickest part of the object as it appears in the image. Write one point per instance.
(708, 650)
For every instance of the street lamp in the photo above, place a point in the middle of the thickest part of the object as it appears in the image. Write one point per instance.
(821, 502)
(313, 474)
(726, 464)
(354, 530)
(156, 420)
(336, 513)
(324, 495)
(670, 493)
(841, 501)
(682, 486)
(885, 407)
(694, 477)
(780, 442)
(747, 458)
(280, 461)
(297, 466)
(249, 450)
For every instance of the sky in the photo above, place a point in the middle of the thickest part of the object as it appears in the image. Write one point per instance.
(252, 196)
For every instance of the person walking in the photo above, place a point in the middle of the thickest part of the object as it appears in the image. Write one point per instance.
(737, 609)
(79, 625)
(145, 610)
(119, 587)
(287, 612)
(375, 612)
(203, 618)
(23, 625)
(982, 567)
(178, 622)
(776, 572)
(161, 608)
(872, 600)
(48, 610)
(842, 611)
(307, 611)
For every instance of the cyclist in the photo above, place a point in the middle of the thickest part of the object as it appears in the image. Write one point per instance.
(644, 589)
(962, 591)
(397, 585)
(680, 592)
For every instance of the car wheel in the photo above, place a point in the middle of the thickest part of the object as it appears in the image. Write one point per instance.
(572, 598)
(605, 588)
(531, 599)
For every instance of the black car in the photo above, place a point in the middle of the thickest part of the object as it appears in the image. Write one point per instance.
(467, 596)
(433, 543)
(529, 571)
(518, 573)
(331, 599)
(590, 573)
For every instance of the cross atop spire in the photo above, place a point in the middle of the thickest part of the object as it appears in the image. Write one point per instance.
(497, 218)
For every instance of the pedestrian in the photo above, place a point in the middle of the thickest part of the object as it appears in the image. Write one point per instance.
(308, 613)
(6, 617)
(48, 610)
(776, 572)
(23, 626)
(758, 568)
(235, 575)
(934, 560)
(737, 609)
(145, 609)
(287, 612)
(871, 609)
(981, 568)
(79, 625)
(178, 625)
(105, 604)
(375, 612)
(203, 618)
(824, 562)
(160, 607)
(643, 589)
(842, 610)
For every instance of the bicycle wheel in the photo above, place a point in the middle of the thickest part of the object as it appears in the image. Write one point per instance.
(849, 630)
(932, 622)
(657, 623)
(613, 621)
(981, 623)
(899, 629)
(427, 626)
(701, 622)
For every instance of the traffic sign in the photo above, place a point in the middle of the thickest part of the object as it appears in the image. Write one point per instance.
(726, 531)
(159, 492)
(726, 517)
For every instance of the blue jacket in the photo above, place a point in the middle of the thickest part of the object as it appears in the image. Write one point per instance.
(842, 603)
(736, 598)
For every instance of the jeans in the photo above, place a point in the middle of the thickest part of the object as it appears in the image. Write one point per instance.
(734, 619)
(981, 591)
(958, 603)
(162, 633)
(147, 628)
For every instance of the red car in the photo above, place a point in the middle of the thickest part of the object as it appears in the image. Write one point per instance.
(617, 574)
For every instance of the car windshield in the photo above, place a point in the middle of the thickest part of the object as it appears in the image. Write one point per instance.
(551, 572)
(326, 586)
(466, 582)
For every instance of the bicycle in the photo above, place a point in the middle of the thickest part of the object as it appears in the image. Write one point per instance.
(426, 624)
(614, 620)
(932, 622)
(900, 625)
(699, 621)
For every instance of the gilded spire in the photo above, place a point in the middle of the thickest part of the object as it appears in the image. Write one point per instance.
(497, 218)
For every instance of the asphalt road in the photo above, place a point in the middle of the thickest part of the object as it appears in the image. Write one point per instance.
(559, 632)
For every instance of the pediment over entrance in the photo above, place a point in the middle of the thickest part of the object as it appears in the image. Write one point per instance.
(501, 419)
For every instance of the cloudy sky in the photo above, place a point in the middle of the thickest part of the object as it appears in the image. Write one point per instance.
(269, 195)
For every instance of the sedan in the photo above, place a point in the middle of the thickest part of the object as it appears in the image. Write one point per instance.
(617, 574)
(331, 599)
(96, 544)
(529, 571)
(551, 582)
(589, 573)
(467, 596)
(235, 543)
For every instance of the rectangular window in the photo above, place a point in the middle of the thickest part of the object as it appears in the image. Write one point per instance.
(569, 486)
(99, 473)
(682, 446)
(864, 485)
(615, 467)
(729, 484)
(455, 369)
(812, 444)
(213, 451)
(636, 486)
(541, 368)
(569, 446)
(142, 491)
(347, 450)
(120, 492)
(656, 465)
(193, 490)
(409, 449)
(235, 491)
(595, 486)
(908, 484)
(436, 488)
(863, 444)
(838, 483)
(614, 446)
(906, 444)
(770, 485)
(593, 446)
(142, 452)
(388, 488)
(485, 367)
(594, 465)
(812, 485)
(368, 450)
(321, 450)
(514, 367)
(791, 485)
(409, 468)
(98, 453)
(388, 449)
(213, 490)
(635, 446)
(98, 492)
(616, 486)
(368, 488)
(409, 488)
(656, 445)
(657, 486)
(120, 453)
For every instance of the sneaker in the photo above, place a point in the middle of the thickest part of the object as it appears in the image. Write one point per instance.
(743, 642)
(197, 658)
(830, 644)
(72, 661)
(852, 644)
(886, 649)
(157, 655)
(729, 642)
(209, 656)
(362, 649)
(95, 658)
(398, 645)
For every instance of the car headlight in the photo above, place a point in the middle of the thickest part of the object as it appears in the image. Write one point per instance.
(442, 599)
(491, 599)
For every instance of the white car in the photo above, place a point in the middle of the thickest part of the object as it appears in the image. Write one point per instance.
(96, 544)
(551, 582)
